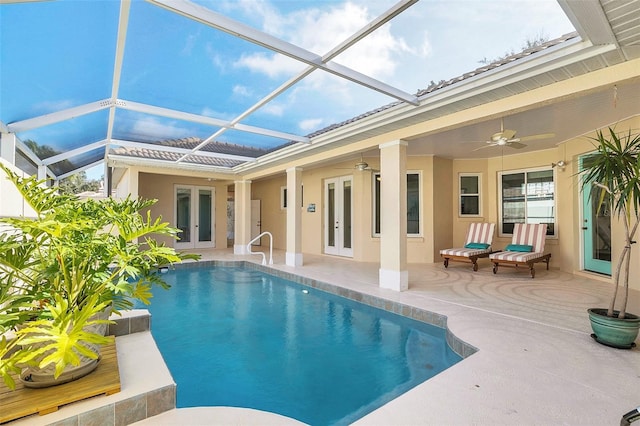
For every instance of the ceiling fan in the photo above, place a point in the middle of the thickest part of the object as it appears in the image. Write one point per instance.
(507, 137)
(362, 166)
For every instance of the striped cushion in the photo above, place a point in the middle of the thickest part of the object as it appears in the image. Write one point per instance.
(463, 252)
(514, 256)
(480, 233)
(532, 234)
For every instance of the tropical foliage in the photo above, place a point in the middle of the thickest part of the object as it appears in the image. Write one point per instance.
(73, 260)
(614, 169)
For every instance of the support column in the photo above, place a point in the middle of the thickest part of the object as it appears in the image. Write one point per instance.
(393, 225)
(294, 217)
(8, 147)
(242, 218)
(42, 172)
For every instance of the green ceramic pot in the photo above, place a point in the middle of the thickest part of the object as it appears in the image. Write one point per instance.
(613, 331)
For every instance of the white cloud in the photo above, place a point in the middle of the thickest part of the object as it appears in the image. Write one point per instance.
(241, 90)
(425, 46)
(189, 44)
(310, 124)
(209, 112)
(152, 128)
(275, 109)
(319, 31)
(51, 106)
(273, 66)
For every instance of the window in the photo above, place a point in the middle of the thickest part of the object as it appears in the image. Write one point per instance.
(527, 197)
(469, 203)
(283, 197)
(413, 203)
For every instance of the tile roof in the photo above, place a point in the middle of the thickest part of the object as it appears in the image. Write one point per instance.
(190, 143)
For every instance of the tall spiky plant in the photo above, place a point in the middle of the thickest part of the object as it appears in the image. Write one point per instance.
(615, 170)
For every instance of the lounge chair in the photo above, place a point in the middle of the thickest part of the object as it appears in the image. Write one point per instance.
(526, 248)
(477, 245)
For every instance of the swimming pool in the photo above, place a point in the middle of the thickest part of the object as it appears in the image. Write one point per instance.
(240, 337)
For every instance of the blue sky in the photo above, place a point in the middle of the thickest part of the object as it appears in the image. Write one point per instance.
(60, 54)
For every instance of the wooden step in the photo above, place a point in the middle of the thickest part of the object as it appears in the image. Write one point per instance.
(104, 380)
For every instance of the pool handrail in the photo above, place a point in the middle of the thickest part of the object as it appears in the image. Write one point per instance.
(264, 258)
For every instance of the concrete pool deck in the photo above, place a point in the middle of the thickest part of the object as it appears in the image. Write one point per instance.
(536, 364)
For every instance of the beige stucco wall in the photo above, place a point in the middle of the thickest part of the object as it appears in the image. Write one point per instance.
(437, 196)
(272, 218)
(566, 250)
(435, 216)
(161, 187)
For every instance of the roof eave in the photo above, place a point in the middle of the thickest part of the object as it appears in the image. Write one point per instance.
(126, 161)
(555, 57)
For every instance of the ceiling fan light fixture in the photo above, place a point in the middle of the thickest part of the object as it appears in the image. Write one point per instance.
(362, 166)
(496, 137)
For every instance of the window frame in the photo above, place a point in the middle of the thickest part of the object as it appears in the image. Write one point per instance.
(283, 197)
(526, 171)
(461, 194)
(375, 204)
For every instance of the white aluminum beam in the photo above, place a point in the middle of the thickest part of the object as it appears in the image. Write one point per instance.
(55, 117)
(27, 152)
(123, 25)
(237, 29)
(359, 35)
(196, 118)
(69, 154)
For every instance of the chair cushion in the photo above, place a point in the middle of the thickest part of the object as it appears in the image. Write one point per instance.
(519, 247)
(464, 252)
(515, 256)
(481, 232)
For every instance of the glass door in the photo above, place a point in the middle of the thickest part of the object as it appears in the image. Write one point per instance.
(195, 216)
(339, 216)
(596, 228)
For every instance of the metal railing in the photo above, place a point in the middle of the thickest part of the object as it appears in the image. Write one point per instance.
(264, 258)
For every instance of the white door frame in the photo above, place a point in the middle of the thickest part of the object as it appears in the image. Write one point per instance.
(256, 225)
(194, 217)
(334, 221)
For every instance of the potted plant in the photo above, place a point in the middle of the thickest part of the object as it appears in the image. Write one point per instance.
(61, 273)
(614, 172)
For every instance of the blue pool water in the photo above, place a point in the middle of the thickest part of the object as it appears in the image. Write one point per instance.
(243, 338)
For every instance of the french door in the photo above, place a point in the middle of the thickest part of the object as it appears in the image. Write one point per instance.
(596, 228)
(338, 216)
(195, 216)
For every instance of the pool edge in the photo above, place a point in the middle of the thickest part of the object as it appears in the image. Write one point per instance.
(459, 346)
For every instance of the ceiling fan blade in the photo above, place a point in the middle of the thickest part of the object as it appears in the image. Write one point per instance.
(488, 145)
(516, 145)
(537, 137)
